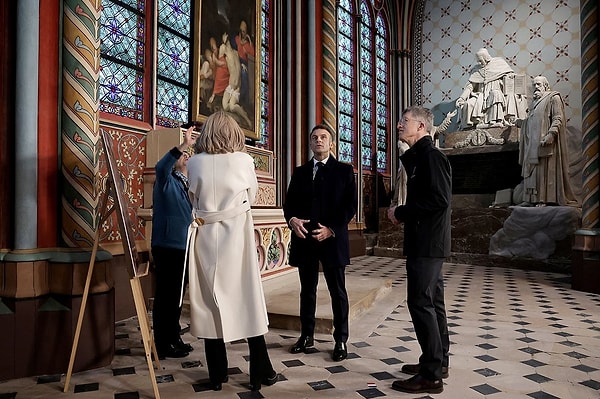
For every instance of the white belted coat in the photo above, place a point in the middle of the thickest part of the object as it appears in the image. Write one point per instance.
(225, 288)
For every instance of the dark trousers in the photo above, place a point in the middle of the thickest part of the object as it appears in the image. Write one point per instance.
(216, 360)
(336, 284)
(425, 299)
(168, 264)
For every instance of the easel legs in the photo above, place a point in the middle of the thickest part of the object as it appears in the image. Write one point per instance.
(149, 347)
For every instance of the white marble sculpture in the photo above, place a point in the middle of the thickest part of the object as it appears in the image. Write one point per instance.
(489, 98)
(543, 150)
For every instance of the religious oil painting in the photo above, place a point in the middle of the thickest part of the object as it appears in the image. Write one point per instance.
(227, 63)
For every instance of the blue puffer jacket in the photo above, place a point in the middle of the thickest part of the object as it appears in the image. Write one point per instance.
(172, 210)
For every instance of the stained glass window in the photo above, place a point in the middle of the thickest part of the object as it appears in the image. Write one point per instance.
(366, 87)
(382, 84)
(346, 83)
(122, 62)
(265, 140)
(173, 63)
(364, 61)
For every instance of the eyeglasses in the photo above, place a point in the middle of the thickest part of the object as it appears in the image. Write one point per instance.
(405, 120)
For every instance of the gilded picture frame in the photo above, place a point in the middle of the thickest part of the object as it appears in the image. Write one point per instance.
(226, 68)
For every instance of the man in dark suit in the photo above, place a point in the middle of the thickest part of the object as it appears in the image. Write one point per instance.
(320, 202)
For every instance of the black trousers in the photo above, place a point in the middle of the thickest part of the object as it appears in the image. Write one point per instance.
(336, 284)
(425, 299)
(216, 360)
(168, 263)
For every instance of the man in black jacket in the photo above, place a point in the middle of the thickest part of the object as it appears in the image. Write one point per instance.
(320, 202)
(426, 218)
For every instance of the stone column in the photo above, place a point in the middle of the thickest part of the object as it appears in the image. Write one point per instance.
(586, 247)
(26, 107)
(80, 121)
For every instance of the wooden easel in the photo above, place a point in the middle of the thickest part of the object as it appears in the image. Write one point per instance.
(136, 269)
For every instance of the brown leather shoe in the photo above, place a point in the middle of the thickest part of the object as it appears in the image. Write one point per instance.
(413, 369)
(418, 384)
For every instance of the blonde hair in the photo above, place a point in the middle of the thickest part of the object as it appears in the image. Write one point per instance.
(220, 134)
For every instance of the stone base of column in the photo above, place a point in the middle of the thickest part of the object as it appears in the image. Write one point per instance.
(585, 268)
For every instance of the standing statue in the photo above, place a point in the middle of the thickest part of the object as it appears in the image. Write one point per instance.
(543, 150)
(483, 102)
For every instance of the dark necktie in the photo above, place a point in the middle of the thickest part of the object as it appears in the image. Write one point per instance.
(317, 194)
(319, 165)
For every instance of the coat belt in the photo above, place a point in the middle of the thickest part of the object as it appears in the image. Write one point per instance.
(206, 217)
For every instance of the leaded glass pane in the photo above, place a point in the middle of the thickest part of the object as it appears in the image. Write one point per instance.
(345, 48)
(381, 114)
(175, 14)
(346, 82)
(346, 101)
(173, 57)
(365, 132)
(381, 138)
(346, 152)
(172, 101)
(365, 106)
(265, 140)
(381, 161)
(381, 88)
(120, 90)
(367, 155)
(122, 34)
(345, 133)
(346, 74)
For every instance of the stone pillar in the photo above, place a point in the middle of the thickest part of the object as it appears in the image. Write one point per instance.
(80, 121)
(586, 247)
(26, 116)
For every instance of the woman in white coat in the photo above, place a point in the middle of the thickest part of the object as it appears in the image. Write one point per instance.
(226, 295)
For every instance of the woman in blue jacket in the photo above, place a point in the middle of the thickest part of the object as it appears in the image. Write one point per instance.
(171, 216)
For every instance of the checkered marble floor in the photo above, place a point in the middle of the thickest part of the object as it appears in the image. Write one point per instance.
(514, 334)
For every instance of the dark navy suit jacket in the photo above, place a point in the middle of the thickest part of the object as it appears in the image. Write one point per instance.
(338, 207)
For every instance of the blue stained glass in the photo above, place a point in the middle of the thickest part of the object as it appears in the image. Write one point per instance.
(381, 139)
(365, 130)
(175, 14)
(345, 74)
(173, 57)
(120, 90)
(346, 101)
(265, 140)
(381, 114)
(366, 84)
(346, 152)
(381, 91)
(346, 82)
(122, 34)
(345, 4)
(172, 102)
(135, 4)
(367, 156)
(345, 133)
(365, 107)
(382, 161)
(345, 48)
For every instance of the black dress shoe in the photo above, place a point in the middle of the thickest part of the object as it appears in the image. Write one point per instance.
(340, 351)
(218, 386)
(268, 381)
(183, 346)
(171, 351)
(415, 368)
(303, 342)
(418, 384)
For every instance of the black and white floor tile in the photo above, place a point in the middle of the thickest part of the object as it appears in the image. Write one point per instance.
(514, 334)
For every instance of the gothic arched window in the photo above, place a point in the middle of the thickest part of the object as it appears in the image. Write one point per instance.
(363, 87)
(126, 87)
